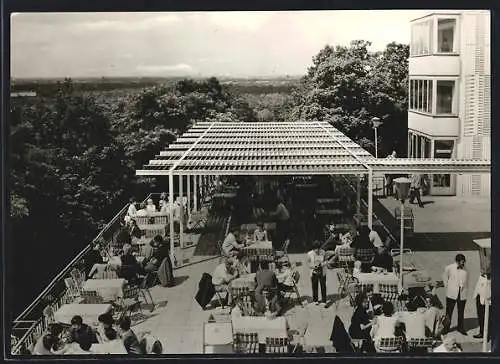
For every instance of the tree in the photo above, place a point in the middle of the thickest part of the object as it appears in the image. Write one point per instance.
(347, 86)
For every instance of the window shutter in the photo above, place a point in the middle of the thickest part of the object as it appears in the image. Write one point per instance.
(475, 184)
(477, 148)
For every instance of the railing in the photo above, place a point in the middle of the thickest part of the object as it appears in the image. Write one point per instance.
(30, 321)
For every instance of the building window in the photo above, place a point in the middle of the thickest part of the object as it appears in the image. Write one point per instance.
(421, 38)
(445, 92)
(421, 95)
(446, 35)
(443, 148)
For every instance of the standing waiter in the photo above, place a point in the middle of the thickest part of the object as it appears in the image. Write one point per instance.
(455, 279)
(482, 294)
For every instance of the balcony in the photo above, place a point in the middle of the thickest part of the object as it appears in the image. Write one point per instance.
(435, 65)
(436, 126)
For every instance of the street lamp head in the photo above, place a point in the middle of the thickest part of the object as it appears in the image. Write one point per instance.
(376, 122)
(403, 187)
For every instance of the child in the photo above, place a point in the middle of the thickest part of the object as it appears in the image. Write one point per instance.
(357, 269)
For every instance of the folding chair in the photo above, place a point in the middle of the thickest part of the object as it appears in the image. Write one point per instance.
(390, 344)
(283, 253)
(276, 345)
(422, 343)
(246, 343)
(78, 277)
(290, 291)
(346, 258)
(390, 293)
(142, 220)
(91, 297)
(128, 303)
(72, 289)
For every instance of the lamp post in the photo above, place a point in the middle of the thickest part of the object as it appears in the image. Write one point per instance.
(376, 122)
(403, 188)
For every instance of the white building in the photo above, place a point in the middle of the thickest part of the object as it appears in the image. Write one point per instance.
(449, 96)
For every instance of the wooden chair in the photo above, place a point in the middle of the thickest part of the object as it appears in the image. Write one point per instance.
(390, 293)
(247, 343)
(72, 289)
(91, 297)
(390, 344)
(78, 277)
(276, 345)
(346, 257)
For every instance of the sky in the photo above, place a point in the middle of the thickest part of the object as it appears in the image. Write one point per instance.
(202, 44)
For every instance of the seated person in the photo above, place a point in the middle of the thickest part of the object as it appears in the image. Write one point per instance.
(81, 332)
(50, 342)
(130, 268)
(285, 276)
(223, 275)
(150, 206)
(265, 279)
(332, 239)
(142, 211)
(383, 259)
(94, 257)
(375, 239)
(384, 325)
(375, 302)
(105, 327)
(357, 269)
(361, 322)
(449, 345)
(271, 305)
(160, 252)
(433, 317)
(129, 338)
(230, 246)
(239, 264)
(135, 231)
(260, 234)
(414, 322)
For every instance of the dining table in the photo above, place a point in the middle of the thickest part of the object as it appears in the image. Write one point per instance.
(108, 289)
(114, 347)
(88, 312)
(217, 338)
(376, 278)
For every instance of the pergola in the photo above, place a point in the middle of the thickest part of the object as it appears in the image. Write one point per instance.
(210, 149)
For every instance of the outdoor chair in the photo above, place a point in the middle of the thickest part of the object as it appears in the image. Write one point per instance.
(283, 253)
(72, 289)
(142, 220)
(426, 343)
(390, 293)
(161, 219)
(247, 305)
(91, 297)
(276, 345)
(346, 257)
(293, 290)
(124, 306)
(390, 344)
(77, 276)
(197, 221)
(246, 343)
(108, 272)
(151, 233)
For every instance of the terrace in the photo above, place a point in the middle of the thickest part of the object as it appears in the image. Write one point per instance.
(329, 165)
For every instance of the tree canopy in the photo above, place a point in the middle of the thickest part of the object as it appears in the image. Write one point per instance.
(348, 86)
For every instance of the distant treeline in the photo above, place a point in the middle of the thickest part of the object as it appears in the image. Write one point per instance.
(49, 87)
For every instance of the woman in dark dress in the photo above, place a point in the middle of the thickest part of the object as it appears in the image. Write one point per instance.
(361, 323)
(93, 257)
(160, 262)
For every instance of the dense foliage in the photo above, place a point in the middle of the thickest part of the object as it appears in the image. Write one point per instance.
(348, 86)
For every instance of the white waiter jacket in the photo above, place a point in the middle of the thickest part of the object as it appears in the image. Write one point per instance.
(483, 289)
(455, 280)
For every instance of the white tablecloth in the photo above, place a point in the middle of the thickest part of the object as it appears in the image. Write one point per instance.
(218, 333)
(111, 347)
(259, 245)
(108, 289)
(248, 280)
(88, 312)
(115, 261)
(377, 278)
(263, 326)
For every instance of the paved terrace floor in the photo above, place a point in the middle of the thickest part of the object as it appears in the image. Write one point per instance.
(178, 319)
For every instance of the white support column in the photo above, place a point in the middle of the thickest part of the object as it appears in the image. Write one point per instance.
(171, 217)
(188, 195)
(195, 193)
(181, 219)
(370, 198)
(358, 196)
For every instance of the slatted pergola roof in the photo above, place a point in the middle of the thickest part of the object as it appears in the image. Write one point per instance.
(296, 148)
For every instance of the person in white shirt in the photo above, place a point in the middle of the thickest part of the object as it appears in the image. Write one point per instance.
(260, 234)
(482, 295)
(230, 246)
(455, 279)
(222, 277)
(284, 275)
(384, 325)
(356, 271)
(150, 207)
(375, 239)
(316, 262)
(414, 320)
(132, 210)
(142, 211)
(449, 345)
